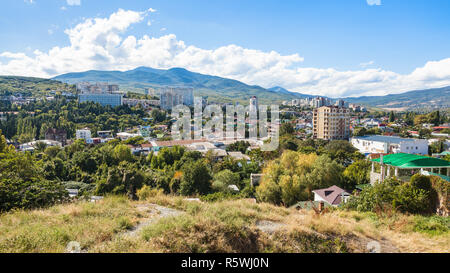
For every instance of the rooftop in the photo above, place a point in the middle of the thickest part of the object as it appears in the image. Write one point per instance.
(406, 161)
(332, 195)
(388, 139)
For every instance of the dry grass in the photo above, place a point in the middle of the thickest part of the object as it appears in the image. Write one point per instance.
(50, 230)
(227, 226)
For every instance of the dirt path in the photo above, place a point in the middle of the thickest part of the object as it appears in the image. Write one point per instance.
(269, 226)
(156, 213)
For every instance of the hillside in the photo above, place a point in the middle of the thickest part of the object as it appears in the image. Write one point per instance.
(281, 90)
(418, 99)
(171, 224)
(215, 88)
(30, 86)
(219, 89)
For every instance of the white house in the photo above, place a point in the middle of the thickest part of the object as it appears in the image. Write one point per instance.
(388, 144)
(125, 135)
(84, 134)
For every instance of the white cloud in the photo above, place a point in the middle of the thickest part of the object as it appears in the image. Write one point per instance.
(374, 2)
(364, 65)
(73, 2)
(151, 10)
(29, 1)
(102, 43)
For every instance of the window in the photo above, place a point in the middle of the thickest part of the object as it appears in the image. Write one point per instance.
(417, 148)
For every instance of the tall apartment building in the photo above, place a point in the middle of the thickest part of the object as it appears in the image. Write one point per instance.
(103, 93)
(173, 96)
(331, 123)
(99, 87)
(253, 104)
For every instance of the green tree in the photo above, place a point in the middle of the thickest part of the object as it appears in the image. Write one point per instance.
(286, 129)
(122, 153)
(391, 116)
(356, 174)
(196, 179)
(225, 178)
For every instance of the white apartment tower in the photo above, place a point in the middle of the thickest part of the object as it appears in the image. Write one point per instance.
(173, 96)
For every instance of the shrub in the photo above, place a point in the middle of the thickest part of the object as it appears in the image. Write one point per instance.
(218, 196)
(434, 225)
(16, 193)
(225, 178)
(147, 192)
(392, 193)
(196, 179)
(421, 182)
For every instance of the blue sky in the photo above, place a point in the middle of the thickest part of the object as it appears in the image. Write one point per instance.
(329, 47)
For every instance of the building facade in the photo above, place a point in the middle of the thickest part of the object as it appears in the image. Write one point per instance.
(104, 99)
(87, 87)
(253, 104)
(331, 123)
(173, 96)
(390, 145)
(83, 134)
(103, 93)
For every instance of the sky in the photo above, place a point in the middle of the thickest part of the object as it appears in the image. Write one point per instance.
(335, 48)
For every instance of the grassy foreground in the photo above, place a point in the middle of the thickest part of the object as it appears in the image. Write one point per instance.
(228, 226)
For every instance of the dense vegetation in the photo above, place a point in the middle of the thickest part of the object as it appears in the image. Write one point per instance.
(416, 196)
(22, 182)
(32, 121)
(37, 87)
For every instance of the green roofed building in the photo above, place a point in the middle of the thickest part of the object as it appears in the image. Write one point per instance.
(405, 165)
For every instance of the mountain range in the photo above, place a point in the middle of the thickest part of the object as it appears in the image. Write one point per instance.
(219, 89)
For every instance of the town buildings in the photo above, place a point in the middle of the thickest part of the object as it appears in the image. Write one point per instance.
(144, 103)
(83, 134)
(173, 96)
(253, 107)
(331, 123)
(390, 144)
(103, 93)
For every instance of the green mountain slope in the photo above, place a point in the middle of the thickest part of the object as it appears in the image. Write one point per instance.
(215, 88)
(30, 86)
(418, 99)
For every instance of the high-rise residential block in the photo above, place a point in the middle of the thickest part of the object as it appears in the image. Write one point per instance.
(331, 123)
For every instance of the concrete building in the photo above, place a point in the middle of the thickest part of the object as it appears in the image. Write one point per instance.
(103, 93)
(84, 134)
(142, 102)
(87, 87)
(104, 99)
(320, 101)
(389, 144)
(253, 104)
(173, 96)
(331, 123)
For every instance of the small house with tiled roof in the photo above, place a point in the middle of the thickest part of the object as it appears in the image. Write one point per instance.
(333, 195)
